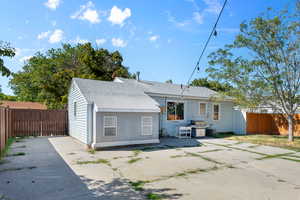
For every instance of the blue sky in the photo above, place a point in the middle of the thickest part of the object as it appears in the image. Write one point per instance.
(160, 38)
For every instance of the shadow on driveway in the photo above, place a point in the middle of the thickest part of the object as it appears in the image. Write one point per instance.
(41, 174)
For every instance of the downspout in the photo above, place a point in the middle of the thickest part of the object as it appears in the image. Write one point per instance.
(90, 124)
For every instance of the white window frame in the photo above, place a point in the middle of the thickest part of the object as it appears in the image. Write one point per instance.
(205, 114)
(142, 124)
(174, 101)
(212, 116)
(75, 109)
(116, 126)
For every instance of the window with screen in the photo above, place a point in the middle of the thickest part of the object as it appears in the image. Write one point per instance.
(110, 125)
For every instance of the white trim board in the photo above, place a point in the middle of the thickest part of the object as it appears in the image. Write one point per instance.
(124, 143)
(135, 110)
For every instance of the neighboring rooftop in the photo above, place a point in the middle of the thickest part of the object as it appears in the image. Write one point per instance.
(23, 105)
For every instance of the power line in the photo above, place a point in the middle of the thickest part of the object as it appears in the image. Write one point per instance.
(213, 32)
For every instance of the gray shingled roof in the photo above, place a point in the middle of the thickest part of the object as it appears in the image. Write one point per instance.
(153, 87)
(109, 96)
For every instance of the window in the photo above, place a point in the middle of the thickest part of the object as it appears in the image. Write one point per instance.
(110, 125)
(75, 109)
(146, 125)
(216, 112)
(202, 109)
(175, 111)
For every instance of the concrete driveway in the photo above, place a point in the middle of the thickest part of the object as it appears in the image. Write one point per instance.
(175, 169)
(42, 174)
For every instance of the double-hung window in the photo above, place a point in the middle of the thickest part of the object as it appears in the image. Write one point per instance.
(216, 112)
(202, 109)
(110, 125)
(175, 110)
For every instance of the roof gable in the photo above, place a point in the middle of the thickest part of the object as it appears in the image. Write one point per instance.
(113, 96)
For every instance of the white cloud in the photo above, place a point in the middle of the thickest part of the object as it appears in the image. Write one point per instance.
(213, 6)
(228, 30)
(117, 42)
(18, 52)
(79, 40)
(153, 38)
(53, 23)
(87, 12)
(56, 36)
(25, 58)
(198, 17)
(179, 24)
(100, 41)
(52, 4)
(117, 16)
(43, 35)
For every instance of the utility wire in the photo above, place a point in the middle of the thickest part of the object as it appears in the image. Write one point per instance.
(213, 32)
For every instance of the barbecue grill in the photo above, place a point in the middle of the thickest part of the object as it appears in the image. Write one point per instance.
(198, 128)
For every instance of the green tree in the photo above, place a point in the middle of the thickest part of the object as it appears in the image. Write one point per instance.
(263, 63)
(46, 77)
(169, 81)
(212, 84)
(5, 51)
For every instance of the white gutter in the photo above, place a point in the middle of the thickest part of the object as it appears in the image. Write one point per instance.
(136, 110)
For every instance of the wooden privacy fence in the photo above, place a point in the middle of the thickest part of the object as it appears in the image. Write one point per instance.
(4, 127)
(31, 122)
(270, 124)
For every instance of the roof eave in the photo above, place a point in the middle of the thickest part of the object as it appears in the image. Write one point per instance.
(182, 96)
(135, 110)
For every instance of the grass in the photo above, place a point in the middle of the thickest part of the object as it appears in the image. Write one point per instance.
(265, 156)
(271, 140)
(212, 150)
(290, 159)
(99, 161)
(237, 148)
(16, 169)
(91, 151)
(138, 185)
(17, 154)
(136, 152)
(133, 160)
(189, 154)
(273, 156)
(153, 196)
(22, 146)
(7, 146)
(185, 173)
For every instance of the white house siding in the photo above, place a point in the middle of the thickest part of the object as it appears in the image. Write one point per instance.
(191, 112)
(129, 127)
(78, 125)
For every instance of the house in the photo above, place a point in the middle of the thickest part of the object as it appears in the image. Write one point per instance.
(129, 111)
(23, 105)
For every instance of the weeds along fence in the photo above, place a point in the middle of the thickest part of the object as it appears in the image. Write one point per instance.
(31, 122)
